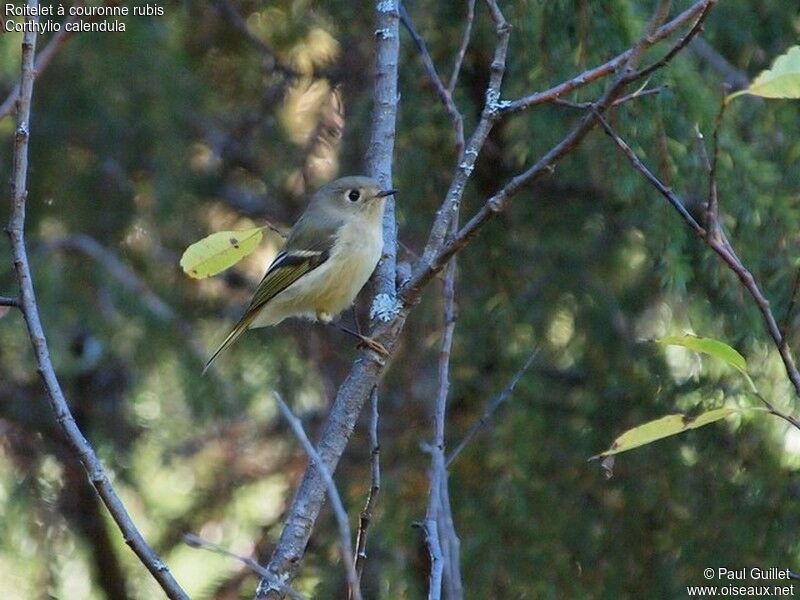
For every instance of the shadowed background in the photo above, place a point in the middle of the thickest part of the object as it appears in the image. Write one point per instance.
(222, 116)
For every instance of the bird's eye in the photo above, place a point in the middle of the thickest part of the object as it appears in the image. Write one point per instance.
(353, 195)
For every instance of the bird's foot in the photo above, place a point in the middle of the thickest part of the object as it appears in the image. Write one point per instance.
(372, 344)
(367, 342)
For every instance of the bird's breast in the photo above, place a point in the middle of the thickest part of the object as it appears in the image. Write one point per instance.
(355, 254)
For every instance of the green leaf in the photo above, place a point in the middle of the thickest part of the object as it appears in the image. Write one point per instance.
(781, 81)
(219, 251)
(709, 346)
(662, 428)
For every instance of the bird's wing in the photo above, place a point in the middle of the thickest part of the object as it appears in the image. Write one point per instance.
(305, 250)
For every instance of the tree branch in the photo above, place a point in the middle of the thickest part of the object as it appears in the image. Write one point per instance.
(432, 262)
(608, 67)
(439, 495)
(489, 116)
(333, 494)
(462, 50)
(368, 366)
(375, 488)
(723, 249)
(490, 409)
(7, 301)
(381, 146)
(78, 443)
(195, 541)
(444, 93)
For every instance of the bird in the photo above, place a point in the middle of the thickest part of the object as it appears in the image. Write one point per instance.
(329, 255)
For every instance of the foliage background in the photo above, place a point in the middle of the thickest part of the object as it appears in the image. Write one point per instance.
(147, 140)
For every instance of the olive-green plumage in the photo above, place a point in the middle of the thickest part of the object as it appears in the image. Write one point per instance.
(328, 257)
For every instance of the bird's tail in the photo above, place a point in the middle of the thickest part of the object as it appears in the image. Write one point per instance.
(234, 335)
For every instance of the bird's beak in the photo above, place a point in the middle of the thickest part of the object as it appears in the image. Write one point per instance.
(384, 193)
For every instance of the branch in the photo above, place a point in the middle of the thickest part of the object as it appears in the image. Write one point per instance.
(42, 61)
(606, 68)
(432, 262)
(443, 544)
(435, 552)
(381, 145)
(491, 408)
(676, 48)
(723, 249)
(195, 541)
(444, 93)
(78, 443)
(368, 366)
(333, 494)
(375, 488)
(454, 588)
(7, 301)
(438, 495)
(621, 100)
(489, 116)
(462, 50)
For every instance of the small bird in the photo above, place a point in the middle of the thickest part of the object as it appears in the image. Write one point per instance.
(328, 257)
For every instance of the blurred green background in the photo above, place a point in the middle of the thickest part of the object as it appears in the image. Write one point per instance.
(147, 140)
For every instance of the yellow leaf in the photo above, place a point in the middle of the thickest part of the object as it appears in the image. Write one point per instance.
(219, 251)
(662, 428)
(781, 81)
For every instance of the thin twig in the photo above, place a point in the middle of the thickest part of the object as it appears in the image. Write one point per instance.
(434, 261)
(606, 68)
(8, 301)
(444, 547)
(375, 487)
(333, 494)
(489, 115)
(723, 249)
(195, 541)
(621, 100)
(438, 496)
(462, 50)
(30, 310)
(445, 95)
(491, 408)
(676, 48)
